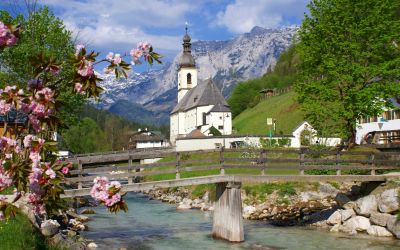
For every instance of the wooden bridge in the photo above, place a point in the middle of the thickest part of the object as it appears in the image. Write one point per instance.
(228, 168)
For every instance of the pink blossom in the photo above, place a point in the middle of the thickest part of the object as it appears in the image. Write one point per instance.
(115, 184)
(5, 179)
(113, 200)
(78, 49)
(28, 141)
(107, 70)
(87, 69)
(4, 107)
(65, 170)
(3, 198)
(110, 56)
(79, 88)
(117, 59)
(6, 36)
(34, 121)
(50, 172)
(35, 158)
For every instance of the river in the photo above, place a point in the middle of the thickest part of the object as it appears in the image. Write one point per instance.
(150, 224)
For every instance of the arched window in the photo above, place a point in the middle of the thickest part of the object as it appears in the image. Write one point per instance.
(189, 79)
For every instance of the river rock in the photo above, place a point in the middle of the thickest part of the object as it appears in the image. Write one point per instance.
(92, 245)
(335, 218)
(328, 189)
(341, 199)
(312, 196)
(393, 225)
(358, 223)
(248, 211)
(379, 231)
(77, 225)
(185, 204)
(389, 201)
(206, 196)
(380, 218)
(87, 211)
(197, 203)
(366, 205)
(49, 227)
(79, 217)
(347, 214)
(335, 228)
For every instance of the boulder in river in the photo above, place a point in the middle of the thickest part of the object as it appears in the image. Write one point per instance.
(366, 205)
(358, 223)
(389, 201)
(380, 219)
(378, 231)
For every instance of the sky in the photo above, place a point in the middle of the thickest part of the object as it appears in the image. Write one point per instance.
(118, 25)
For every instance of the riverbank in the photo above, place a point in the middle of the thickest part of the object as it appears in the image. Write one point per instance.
(156, 225)
(350, 208)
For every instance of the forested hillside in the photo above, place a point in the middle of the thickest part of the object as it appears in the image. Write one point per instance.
(247, 94)
(100, 130)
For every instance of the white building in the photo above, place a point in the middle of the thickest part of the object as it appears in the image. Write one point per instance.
(200, 103)
(381, 129)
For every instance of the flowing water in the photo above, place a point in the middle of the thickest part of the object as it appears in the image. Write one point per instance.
(150, 224)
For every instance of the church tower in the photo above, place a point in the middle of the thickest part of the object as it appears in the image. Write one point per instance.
(187, 73)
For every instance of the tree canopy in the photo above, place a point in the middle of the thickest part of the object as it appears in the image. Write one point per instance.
(350, 62)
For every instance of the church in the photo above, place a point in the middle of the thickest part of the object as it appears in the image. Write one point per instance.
(201, 108)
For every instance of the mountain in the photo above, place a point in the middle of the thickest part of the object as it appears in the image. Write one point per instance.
(244, 57)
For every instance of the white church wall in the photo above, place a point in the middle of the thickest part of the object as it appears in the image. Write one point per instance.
(181, 123)
(200, 110)
(221, 121)
(190, 120)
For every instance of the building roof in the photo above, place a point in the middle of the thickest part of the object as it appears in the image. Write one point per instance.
(219, 107)
(14, 117)
(186, 60)
(203, 94)
(144, 136)
(196, 133)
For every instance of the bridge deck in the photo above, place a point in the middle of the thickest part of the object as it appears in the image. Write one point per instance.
(136, 187)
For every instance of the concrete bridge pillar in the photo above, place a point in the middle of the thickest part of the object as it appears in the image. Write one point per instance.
(227, 220)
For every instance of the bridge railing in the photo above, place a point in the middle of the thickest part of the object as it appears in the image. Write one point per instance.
(175, 165)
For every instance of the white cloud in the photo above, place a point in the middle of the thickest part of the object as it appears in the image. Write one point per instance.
(242, 15)
(123, 23)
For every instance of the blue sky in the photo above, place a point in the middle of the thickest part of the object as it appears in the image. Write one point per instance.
(118, 25)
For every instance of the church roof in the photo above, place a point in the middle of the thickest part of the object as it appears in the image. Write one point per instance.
(220, 108)
(204, 94)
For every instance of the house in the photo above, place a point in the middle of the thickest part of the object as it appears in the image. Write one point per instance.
(147, 139)
(267, 92)
(16, 122)
(380, 129)
(200, 103)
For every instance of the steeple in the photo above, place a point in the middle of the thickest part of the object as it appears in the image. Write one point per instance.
(186, 59)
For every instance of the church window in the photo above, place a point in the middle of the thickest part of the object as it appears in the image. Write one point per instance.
(189, 79)
(204, 118)
(220, 127)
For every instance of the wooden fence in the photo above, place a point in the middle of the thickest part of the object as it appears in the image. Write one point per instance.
(300, 160)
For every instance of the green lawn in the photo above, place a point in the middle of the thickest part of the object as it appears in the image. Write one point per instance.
(18, 233)
(283, 108)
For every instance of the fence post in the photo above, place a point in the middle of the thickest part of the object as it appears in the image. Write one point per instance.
(263, 161)
(372, 159)
(222, 160)
(338, 171)
(80, 174)
(301, 162)
(178, 159)
(130, 178)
